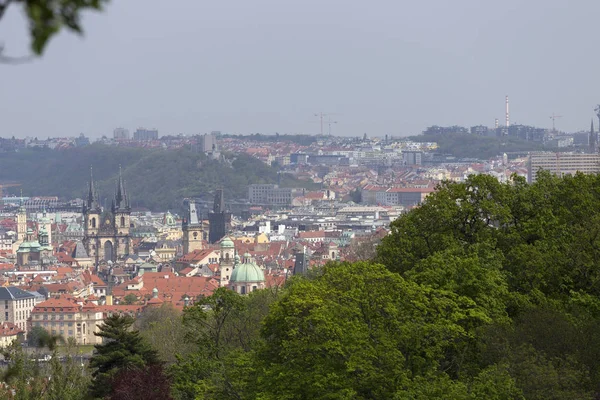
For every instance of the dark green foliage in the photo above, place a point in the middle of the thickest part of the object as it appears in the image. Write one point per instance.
(122, 349)
(47, 17)
(155, 179)
(225, 329)
(528, 257)
(148, 383)
(62, 378)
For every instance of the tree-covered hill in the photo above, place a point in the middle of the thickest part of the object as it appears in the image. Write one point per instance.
(155, 179)
(473, 146)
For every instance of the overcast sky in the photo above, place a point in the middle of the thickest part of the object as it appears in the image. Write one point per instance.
(244, 66)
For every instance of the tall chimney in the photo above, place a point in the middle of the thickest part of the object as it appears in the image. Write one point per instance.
(507, 114)
(496, 123)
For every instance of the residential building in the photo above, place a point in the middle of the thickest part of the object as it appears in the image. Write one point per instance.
(272, 194)
(121, 134)
(9, 333)
(562, 164)
(17, 305)
(142, 134)
(65, 317)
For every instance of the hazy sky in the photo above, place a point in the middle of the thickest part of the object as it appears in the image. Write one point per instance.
(245, 66)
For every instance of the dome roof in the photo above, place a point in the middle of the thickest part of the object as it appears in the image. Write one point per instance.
(248, 271)
(227, 243)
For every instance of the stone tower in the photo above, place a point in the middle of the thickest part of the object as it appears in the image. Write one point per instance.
(192, 229)
(21, 223)
(227, 261)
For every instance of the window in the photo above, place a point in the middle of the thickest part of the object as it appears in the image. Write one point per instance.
(253, 288)
(70, 332)
(122, 221)
(93, 222)
(243, 290)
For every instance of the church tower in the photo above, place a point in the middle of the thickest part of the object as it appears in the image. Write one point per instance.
(46, 223)
(121, 211)
(192, 230)
(227, 261)
(91, 219)
(106, 234)
(21, 223)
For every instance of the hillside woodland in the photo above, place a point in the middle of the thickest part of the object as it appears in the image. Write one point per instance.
(156, 179)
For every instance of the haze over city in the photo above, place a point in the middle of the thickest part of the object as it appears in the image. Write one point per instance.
(268, 66)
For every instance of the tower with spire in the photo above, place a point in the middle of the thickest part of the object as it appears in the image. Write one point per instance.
(106, 232)
(21, 221)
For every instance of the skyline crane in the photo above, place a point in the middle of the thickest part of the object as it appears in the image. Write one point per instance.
(553, 118)
(321, 116)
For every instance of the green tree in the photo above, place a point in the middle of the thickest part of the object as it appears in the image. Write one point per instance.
(225, 329)
(163, 329)
(122, 349)
(355, 331)
(130, 299)
(47, 17)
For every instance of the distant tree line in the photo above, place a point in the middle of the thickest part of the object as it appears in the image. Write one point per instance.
(155, 179)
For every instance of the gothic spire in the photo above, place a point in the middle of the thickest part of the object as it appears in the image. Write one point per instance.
(121, 195)
(92, 198)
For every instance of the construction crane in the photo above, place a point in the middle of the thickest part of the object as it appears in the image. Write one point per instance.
(553, 118)
(329, 122)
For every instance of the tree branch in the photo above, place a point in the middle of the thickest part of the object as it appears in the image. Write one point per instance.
(3, 6)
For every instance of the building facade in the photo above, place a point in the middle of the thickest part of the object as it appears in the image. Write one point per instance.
(145, 134)
(192, 229)
(17, 305)
(218, 218)
(106, 233)
(562, 164)
(68, 319)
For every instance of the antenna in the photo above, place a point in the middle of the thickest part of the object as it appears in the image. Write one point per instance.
(507, 114)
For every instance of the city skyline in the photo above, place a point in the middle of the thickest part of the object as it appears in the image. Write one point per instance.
(270, 67)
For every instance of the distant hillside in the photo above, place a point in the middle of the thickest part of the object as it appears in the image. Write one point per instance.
(472, 146)
(155, 179)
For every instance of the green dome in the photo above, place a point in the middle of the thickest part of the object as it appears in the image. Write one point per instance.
(248, 271)
(227, 243)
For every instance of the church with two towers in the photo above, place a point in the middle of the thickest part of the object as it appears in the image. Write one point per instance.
(106, 232)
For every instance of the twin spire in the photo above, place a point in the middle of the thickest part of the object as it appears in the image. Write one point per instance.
(120, 202)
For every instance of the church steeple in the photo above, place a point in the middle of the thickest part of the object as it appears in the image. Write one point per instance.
(121, 200)
(92, 198)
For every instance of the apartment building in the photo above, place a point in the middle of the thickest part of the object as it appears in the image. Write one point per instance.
(17, 305)
(272, 194)
(68, 318)
(562, 164)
